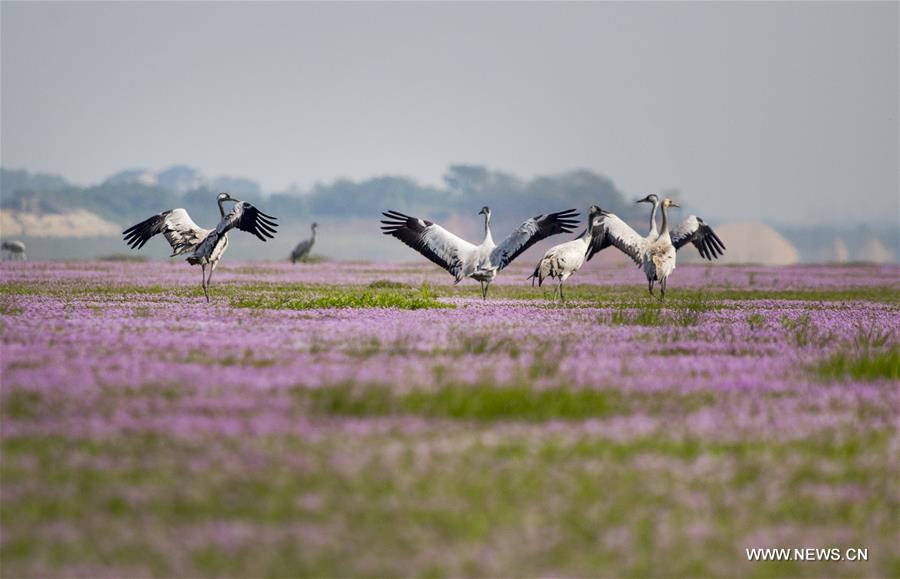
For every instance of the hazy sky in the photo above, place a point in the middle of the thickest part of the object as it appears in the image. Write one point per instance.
(782, 111)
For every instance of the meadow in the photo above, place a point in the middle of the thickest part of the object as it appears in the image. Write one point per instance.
(339, 419)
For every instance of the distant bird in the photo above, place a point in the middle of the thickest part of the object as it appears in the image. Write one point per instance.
(563, 260)
(301, 252)
(655, 256)
(205, 246)
(14, 249)
(463, 259)
(692, 229)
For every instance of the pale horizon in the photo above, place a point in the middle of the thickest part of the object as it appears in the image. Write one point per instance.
(780, 112)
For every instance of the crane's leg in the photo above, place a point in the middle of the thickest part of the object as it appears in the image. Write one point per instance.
(562, 297)
(203, 281)
(662, 289)
(212, 268)
(650, 286)
(486, 287)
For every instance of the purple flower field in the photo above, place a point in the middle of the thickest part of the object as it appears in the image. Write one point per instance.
(373, 419)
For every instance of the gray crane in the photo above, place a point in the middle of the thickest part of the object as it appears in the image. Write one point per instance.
(203, 247)
(563, 260)
(614, 231)
(15, 249)
(656, 256)
(692, 229)
(301, 252)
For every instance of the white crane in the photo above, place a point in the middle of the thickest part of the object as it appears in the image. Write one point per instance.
(303, 248)
(618, 233)
(563, 260)
(205, 246)
(463, 259)
(692, 229)
(15, 249)
(655, 256)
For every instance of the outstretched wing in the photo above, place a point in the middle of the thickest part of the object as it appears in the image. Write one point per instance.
(613, 231)
(694, 230)
(176, 225)
(246, 217)
(429, 239)
(530, 232)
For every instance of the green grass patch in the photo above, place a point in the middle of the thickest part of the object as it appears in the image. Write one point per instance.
(599, 296)
(487, 344)
(802, 332)
(756, 322)
(341, 297)
(22, 404)
(360, 300)
(387, 284)
(861, 365)
(7, 308)
(685, 312)
(492, 402)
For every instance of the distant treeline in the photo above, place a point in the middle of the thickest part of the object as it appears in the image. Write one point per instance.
(466, 188)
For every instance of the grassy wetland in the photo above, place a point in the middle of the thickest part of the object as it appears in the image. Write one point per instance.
(368, 419)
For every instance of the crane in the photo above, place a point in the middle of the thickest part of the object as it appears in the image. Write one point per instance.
(203, 247)
(563, 260)
(655, 256)
(692, 229)
(301, 252)
(15, 249)
(463, 259)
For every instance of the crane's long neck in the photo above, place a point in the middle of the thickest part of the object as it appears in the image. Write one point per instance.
(488, 240)
(313, 233)
(664, 232)
(589, 230)
(654, 232)
(221, 209)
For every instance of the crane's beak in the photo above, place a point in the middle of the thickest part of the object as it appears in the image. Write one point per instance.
(673, 204)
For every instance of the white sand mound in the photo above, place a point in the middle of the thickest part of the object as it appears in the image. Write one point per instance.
(839, 251)
(875, 252)
(752, 243)
(79, 223)
(745, 243)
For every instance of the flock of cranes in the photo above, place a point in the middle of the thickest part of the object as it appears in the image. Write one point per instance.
(655, 252)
